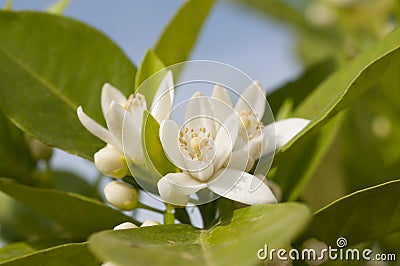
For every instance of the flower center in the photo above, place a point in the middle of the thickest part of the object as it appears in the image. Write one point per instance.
(197, 144)
(251, 126)
(136, 101)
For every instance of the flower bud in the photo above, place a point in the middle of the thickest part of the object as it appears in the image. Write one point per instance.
(110, 162)
(149, 223)
(121, 195)
(38, 149)
(126, 225)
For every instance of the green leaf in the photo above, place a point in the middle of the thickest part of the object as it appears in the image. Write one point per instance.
(58, 7)
(77, 216)
(277, 9)
(150, 65)
(42, 84)
(233, 243)
(298, 168)
(297, 90)
(178, 38)
(69, 182)
(153, 150)
(64, 255)
(15, 158)
(19, 223)
(347, 84)
(14, 250)
(363, 216)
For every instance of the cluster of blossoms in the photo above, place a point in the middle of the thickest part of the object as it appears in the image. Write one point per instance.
(215, 149)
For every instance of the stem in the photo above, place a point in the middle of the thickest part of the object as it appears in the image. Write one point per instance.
(149, 208)
(169, 214)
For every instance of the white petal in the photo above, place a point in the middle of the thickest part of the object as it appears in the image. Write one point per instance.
(95, 128)
(109, 94)
(225, 139)
(114, 120)
(169, 135)
(220, 93)
(239, 186)
(132, 139)
(199, 113)
(252, 98)
(148, 223)
(283, 131)
(124, 226)
(163, 100)
(175, 188)
(221, 105)
(240, 160)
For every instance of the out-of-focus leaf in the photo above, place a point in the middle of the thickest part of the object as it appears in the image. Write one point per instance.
(14, 250)
(19, 223)
(297, 90)
(277, 9)
(75, 215)
(58, 7)
(15, 158)
(8, 5)
(299, 167)
(150, 65)
(69, 182)
(363, 216)
(180, 35)
(232, 243)
(346, 85)
(64, 255)
(50, 81)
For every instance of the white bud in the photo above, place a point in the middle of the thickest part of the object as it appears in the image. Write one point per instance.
(149, 223)
(111, 162)
(121, 195)
(318, 246)
(126, 225)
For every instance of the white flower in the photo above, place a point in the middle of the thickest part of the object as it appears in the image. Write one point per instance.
(202, 149)
(219, 144)
(124, 116)
(121, 195)
(254, 138)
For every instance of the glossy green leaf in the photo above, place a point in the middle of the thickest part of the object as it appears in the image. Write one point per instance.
(347, 84)
(19, 223)
(69, 182)
(297, 169)
(232, 243)
(297, 90)
(64, 255)
(180, 35)
(363, 216)
(58, 7)
(154, 152)
(14, 250)
(64, 66)
(15, 158)
(77, 216)
(150, 65)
